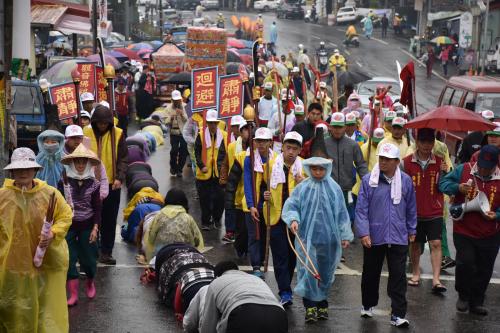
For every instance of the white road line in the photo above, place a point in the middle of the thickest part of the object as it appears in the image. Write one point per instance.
(347, 52)
(333, 44)
(380, 41)
(422, 64)
(359, 64)
(315, 37)
(341, 30)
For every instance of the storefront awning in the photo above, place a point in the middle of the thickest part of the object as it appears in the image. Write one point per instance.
(72, 24)
(443, 15)
(60, 18)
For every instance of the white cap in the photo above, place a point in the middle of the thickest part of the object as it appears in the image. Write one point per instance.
(104, 103)
(293, 136)
(87, 96)
(338, 119)
(378, 134)
(336, 52)
(350, 119)
(176, 95)
(211, 116)
(356, 113)
(390, 115)
(322, 84)
(84, 113)
(73, 130)
(295, 70)
(243, 124)
(301, 46)
(236, 120)
(263, 133)
(488, 114)
(321, 125)
(388, 150)
(268, 86)
(398, 121)
(299, 109)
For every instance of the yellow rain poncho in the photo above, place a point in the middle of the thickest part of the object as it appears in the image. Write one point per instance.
(32, 299)
(145, 192)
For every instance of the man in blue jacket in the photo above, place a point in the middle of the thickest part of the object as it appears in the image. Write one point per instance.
(386, 220)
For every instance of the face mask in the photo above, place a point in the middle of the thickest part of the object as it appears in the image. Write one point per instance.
(51, 148)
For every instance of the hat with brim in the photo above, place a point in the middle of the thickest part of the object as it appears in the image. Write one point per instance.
(338, 119)
(23, 158)
(81, 152)
(488, 157)
(388, 150)
(211, 116)
(496, 131)
(398, 121)
(378, 135)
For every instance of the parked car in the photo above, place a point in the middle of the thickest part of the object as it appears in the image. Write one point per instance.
(346, 15)
(366, 89)
(186, 4)
(266, 5)
(290, 11)
(210, 4)
(493, 57)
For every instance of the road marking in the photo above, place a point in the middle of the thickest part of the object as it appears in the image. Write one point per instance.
(359, 64)
(347, 52)
(341, 30)
(422, 64)
(315, 37)
(380, 41)
(333, 44)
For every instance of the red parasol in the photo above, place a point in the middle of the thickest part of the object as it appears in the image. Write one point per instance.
(451, 118)
(236, 43)
(128, 52)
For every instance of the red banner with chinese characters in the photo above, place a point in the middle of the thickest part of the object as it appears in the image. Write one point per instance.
(204, 88)
(88, 77)
(63, 95)
(101, 83)
(230, 96)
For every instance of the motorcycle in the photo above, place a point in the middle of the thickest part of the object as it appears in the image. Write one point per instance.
(311, 16)
(353, 40)
(322, 55)
(220, 24)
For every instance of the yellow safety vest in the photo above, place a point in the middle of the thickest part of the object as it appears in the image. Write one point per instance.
(212, 155)
(104, 151)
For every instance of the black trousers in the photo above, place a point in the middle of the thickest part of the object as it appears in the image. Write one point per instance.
(241, 233)
(110, 207)
(252, 318)
(123, 123)
(475, 261)
(373, 259)
(178, 153)
(211, 196)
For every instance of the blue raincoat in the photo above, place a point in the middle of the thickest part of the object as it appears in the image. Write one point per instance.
(319, 208)
(368, 26)
(50, 160)
(273, 34)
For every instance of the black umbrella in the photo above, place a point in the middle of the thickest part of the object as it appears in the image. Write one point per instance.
(179, 78)
(351, 78)
(234, 68)
(233, 57)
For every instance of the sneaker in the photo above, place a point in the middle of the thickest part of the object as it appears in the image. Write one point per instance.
(311, 315)
(322, 313)
(399, 322)
(179, 174)
(286, 299)
(479, 310)
(228, 238)
(447, 262)
(462, 306)
(367, 313)
(205, 227)
(258, 273)
(107, 259)
(342, 259)
(172, 174)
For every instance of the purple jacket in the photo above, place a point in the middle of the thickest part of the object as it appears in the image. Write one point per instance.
(379, 218)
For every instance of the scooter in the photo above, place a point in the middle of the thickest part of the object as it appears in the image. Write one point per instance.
(353, 40)
(311, 16)
(322, 54)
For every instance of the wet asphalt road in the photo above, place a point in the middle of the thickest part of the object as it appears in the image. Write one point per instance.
(123, 304)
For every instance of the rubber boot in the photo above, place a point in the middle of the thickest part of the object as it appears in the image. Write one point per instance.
(90, 288)
(72, 286)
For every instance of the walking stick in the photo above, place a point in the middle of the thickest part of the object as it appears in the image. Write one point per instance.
(47, 224)
(312, 269)
(304, 84)
(268, 215)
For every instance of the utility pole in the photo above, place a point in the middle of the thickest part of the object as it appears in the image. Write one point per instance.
(94, 26)
(484, 50)
(6, 16)
(161, 19)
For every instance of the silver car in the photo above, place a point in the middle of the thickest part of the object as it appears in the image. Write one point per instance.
(366, 89)
(210, 4)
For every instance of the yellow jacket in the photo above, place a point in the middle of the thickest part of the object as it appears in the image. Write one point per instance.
(440, 149)
(371, 163)
(32, 299)
(145, 192)
(333, 62)
(401, 144)
(215, 156)
(351, 30)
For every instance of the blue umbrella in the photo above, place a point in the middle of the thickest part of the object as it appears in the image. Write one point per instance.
(156, 43)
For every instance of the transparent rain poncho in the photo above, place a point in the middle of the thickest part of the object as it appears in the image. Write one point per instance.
(32, 299)
(319, 208)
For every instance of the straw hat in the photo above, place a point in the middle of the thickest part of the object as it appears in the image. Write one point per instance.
(81, 152)
(23, 158)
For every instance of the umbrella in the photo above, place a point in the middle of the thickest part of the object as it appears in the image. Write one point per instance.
(443, 40)
(143, 51)
(233, 56)
(179, 78)
(128, 52)
(245, 51)
(139, 46)
(282, 70)
(156, 44)
(451, 118)
(235, 67)
(236, 43)
(145, 55)
(109, 60)
(118, 55)
(351, 78)
(246, 59)
(60, 72)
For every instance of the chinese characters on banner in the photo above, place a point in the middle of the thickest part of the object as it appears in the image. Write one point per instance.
(102, 94)
(204, 88)
(230, 96)
(63, 95)
(88, 76)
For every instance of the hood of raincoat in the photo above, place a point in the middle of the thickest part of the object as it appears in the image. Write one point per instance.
(104, 114)
(172, 211)
(319, 161)
(39, 185)
(50, 161)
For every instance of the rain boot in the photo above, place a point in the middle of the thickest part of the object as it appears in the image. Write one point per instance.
(90, 288)
(72, 286)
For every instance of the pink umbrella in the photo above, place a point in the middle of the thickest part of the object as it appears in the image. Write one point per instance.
(236, 43)
(107, 58)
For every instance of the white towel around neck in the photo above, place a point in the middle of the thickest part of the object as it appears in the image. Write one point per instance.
(395, 184)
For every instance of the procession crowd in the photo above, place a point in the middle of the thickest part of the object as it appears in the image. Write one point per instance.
(297, 178)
